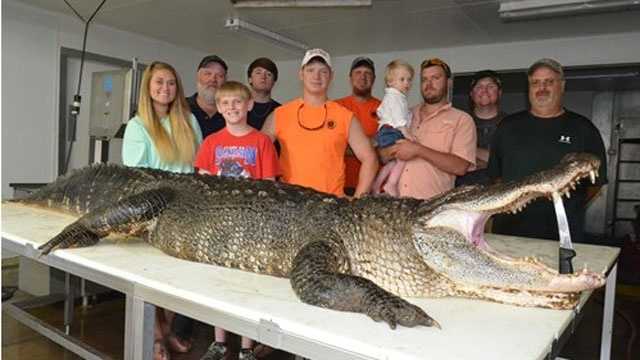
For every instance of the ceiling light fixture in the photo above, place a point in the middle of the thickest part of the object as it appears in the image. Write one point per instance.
(236, 24)
(299, 3)
(532, 9)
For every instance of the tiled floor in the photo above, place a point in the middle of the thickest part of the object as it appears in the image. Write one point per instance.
(101, 326)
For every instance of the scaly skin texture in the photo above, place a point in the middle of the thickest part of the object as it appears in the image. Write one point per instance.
(356, 256)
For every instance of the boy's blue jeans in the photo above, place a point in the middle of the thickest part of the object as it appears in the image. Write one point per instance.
(388, 136)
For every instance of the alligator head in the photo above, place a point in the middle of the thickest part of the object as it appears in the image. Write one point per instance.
(450, 238)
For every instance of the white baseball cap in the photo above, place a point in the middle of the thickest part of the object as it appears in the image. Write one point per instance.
(310, 54)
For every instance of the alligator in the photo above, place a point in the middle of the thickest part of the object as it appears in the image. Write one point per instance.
(361, 256)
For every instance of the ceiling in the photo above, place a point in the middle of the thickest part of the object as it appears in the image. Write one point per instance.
(388, 25)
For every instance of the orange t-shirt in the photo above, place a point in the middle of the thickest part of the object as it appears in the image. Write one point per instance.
(313, 157)
(365, 112)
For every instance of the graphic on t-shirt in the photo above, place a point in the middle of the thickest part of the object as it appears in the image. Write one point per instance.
(233, 160)
(565, 139)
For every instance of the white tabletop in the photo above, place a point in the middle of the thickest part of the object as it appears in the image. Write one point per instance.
(237, 300)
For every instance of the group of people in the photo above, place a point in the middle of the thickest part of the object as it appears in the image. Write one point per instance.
(229, 129)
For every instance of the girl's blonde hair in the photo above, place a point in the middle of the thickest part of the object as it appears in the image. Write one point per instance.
(395, 65)
(180, 145)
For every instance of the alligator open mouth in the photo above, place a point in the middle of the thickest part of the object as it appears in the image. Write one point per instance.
(452, 241)
(469, 211)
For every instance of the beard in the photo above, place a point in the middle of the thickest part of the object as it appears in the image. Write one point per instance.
(207, 93)
(362, 92)
(435, 98)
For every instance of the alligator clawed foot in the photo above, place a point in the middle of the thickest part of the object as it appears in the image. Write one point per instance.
(396, 311)
(50, 245)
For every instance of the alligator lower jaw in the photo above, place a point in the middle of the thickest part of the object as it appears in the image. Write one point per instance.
(530, 298)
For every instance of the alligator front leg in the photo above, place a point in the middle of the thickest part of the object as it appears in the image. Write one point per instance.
(127, 216)
(316, 280)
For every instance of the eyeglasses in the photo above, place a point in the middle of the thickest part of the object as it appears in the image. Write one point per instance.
(324, 119)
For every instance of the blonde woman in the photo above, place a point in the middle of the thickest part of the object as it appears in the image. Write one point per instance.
(163, 135)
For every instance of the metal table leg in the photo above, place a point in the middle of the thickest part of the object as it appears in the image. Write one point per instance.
(607, 320)
(68, 303)
(143, 321)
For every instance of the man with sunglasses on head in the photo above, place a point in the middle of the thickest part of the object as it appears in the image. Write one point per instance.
(314, 133)
(445, 145)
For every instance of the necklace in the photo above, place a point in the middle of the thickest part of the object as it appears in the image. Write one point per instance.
(324, 119)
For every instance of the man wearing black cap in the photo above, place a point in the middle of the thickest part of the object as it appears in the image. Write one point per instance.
(484, 103)
(212, 73)
(262, 75)
(363, 105)
(536, 140)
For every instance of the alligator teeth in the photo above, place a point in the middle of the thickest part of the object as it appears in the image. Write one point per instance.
(573, 185)
(592, 175)
(568, 194)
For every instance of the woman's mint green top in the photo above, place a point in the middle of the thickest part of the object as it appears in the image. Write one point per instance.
(139, 150)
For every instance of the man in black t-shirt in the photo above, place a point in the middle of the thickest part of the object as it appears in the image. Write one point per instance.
(212, 73)
(484, 103)
(262, 75)
(535, 140)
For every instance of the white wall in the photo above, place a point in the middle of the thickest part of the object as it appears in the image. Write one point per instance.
(31, 42)
(605, 49)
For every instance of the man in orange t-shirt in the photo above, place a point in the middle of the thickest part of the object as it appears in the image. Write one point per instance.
(361, 76)
(314, 133)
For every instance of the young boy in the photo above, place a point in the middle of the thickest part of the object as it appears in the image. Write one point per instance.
(394, 123)
(238, 150)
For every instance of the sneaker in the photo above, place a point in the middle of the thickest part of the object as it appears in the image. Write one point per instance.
(247, 354)
(216, 351)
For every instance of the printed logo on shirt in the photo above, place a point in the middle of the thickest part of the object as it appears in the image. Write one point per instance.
(565, 139)
(232, 160)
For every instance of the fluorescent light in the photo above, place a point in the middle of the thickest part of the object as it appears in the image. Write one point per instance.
(299, 3)
(265, 34)
(531, 9)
